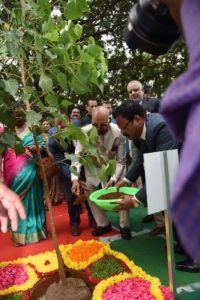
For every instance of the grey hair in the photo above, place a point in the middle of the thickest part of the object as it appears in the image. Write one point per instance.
(136, 81)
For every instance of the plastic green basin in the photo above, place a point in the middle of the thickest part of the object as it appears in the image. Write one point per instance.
(108, 204)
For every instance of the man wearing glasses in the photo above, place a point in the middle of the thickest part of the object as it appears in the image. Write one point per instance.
(110, 144)
(150, 134)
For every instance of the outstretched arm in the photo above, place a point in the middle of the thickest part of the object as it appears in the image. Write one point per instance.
(10, 207)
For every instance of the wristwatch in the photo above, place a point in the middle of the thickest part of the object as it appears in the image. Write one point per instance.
(135, 201)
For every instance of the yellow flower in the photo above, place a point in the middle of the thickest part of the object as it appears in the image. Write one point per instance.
(47, 262)
(156, 291)
(44, 262)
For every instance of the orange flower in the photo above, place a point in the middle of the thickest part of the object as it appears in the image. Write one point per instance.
(84, 251)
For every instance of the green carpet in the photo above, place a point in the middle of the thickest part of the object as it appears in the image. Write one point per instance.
(149, 252)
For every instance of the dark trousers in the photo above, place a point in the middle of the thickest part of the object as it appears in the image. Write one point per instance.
(73, 210)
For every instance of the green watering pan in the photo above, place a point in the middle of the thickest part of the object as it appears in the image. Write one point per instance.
(108, 204)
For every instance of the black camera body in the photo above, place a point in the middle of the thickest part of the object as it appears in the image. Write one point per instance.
(151, 28)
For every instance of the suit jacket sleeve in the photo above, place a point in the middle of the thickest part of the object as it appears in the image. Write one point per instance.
(141, 195)
(137, 167)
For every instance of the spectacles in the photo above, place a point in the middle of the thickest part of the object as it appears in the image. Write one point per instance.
(126, 125)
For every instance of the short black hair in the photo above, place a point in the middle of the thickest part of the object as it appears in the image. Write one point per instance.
(73, 107)
(128, 109)
(18, 105)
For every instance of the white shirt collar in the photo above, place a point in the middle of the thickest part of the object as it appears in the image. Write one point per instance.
(143, 135)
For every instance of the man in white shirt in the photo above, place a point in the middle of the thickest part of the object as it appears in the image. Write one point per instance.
(110, 144)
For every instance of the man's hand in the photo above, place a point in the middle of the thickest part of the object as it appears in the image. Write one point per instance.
(109, 184)
(84, 186)
(10, 207)
(126, 203)
(121, 183)
(76, 187)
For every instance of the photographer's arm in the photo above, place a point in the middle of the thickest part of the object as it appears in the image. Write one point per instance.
(10, 207)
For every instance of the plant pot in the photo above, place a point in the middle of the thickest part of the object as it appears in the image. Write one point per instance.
(39, 290)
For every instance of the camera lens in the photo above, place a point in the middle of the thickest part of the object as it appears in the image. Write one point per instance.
(151, 28)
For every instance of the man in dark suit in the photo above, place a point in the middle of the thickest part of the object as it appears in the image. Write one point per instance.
(150, 134)
(136, 93)
(58, 153)
(87, 119)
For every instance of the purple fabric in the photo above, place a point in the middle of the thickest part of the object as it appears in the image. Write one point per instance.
(181, 109)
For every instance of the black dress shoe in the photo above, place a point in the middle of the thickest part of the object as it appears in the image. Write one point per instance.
(187, 265)
(178, 249)
(125, 233)
(101, 230)
(157, 231)
(75, 231)
(92, 224)
(148, 219)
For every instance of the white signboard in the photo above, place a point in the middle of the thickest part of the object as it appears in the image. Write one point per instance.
(160, 171)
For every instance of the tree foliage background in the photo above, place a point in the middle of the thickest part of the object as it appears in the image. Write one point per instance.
(45, 59)
(106, 23)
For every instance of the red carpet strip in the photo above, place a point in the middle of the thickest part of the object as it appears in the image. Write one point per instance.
(10, 252)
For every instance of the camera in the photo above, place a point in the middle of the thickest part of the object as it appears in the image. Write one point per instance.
(151, 28)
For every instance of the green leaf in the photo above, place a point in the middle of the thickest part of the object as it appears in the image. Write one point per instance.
(74, 9)
(107, 170)
(40, 42)
(39, 58)
(25, 97)
(94, 50)
(52, 100)
(104, 66)
(65, 103)
(80, 82)
(43, 8)
(71, 35)
(9, 138)
(71, 157)
(3, 50)
(52, 109)
(78, 30)
(19, 149)
(10, 86)
(50, 54)
(74, 171)
(62, 80)
(94, 77)
(12, 48)
(7, 119)
(33, 118)
(93, 135)
(46, 83)
(88, 163)
(52, 36)
(47, 26)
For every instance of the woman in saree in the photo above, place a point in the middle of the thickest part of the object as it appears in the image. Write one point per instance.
(20, 175)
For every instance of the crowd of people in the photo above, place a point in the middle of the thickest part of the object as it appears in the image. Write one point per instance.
(134, 127)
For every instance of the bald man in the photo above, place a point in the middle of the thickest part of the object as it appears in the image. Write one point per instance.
(110, 144)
